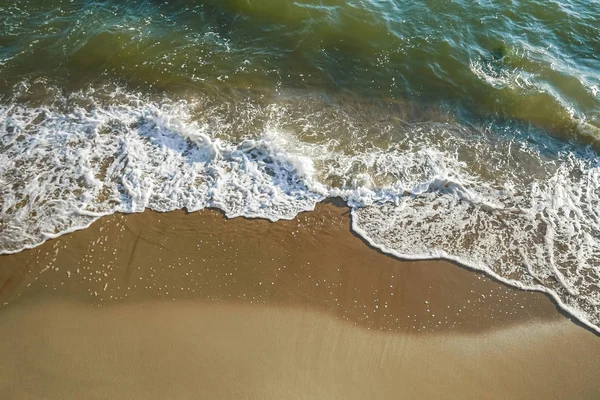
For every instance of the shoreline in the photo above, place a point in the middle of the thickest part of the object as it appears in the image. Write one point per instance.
(163, 305)
(363, 238)
(69, 267)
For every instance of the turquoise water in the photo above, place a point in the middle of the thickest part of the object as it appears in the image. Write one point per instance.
(464, 130)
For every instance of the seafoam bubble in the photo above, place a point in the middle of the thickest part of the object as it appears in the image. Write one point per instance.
(60, 171)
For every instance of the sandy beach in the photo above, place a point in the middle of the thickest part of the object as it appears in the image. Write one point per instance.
(194, 305)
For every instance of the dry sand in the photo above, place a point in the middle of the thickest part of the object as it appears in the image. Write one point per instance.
(197, 306)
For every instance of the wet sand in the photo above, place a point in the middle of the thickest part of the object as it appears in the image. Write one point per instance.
(197, 306)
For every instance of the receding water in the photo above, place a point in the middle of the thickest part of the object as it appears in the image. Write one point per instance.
(464, 130)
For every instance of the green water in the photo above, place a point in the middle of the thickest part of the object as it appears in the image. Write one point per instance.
(533, 61)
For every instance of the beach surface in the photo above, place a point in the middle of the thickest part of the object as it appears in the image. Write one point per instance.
(194, 305)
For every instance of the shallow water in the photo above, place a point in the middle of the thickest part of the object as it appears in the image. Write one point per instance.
(464, 130)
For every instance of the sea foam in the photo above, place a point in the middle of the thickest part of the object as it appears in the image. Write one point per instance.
(513, 202)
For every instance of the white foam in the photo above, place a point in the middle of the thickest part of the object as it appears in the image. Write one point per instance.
(520, 206)
(497, 76)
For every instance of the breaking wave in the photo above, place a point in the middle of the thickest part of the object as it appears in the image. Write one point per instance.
(511, 201)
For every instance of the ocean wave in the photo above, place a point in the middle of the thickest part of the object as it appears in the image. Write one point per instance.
(514, 202)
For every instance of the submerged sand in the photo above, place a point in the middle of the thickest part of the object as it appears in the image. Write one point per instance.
(194, 305)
